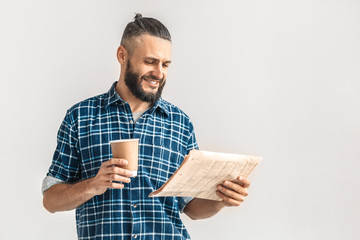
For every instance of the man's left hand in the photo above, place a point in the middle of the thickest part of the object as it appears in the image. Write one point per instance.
(233, 193)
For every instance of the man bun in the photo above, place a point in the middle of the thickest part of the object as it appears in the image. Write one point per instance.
(137, 16)
(140, 26)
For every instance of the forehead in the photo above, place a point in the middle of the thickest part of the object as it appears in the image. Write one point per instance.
(155, 47)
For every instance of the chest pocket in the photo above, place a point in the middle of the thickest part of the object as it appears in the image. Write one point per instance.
(160, 155)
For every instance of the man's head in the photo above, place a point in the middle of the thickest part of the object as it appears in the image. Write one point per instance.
(143, 26)
(145, 54)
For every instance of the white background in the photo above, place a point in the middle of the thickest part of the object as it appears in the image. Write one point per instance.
(278, 79)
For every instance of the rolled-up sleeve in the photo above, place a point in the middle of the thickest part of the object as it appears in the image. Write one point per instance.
(183, 201)
(65, 165)
(48, 182)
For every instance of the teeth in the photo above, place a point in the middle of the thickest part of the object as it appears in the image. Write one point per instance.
(153, 82)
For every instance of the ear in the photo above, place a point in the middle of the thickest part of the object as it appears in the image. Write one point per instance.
(122, 54)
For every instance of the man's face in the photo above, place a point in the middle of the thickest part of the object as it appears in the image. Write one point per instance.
(147, 67)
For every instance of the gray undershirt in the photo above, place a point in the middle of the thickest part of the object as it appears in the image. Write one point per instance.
(137, 115)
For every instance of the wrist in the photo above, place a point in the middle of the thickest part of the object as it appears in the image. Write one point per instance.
(88, 187)
(220, 205)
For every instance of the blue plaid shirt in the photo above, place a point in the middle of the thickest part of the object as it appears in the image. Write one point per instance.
(166, 135)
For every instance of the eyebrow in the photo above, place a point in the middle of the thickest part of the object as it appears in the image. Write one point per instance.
(156, 59)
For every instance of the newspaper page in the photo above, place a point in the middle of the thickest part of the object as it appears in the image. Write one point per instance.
(202, 171)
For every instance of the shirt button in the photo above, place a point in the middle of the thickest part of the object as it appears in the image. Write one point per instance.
(131, 121)
(135, 205)
(135, 236)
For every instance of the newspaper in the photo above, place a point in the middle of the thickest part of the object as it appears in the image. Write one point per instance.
(202, 171)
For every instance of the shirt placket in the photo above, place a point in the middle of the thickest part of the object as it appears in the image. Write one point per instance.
(135, 208)
(135, 193)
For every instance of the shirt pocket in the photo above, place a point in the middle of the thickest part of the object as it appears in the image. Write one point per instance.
(159, 158)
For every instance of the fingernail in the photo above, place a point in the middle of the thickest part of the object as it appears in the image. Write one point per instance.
(219, 187)
(226, 183)
(241, 178)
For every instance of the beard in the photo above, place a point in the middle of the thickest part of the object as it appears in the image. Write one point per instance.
(133, 82)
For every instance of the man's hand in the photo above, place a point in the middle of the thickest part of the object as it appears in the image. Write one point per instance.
(64, 196)
(109, 175)
(233, 193)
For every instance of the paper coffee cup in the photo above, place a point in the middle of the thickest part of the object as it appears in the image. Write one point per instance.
(127, 149)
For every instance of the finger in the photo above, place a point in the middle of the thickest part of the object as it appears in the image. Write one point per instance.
(115, 161)
(236, 187)
(116, 185)
(120, 161)
(230, 193)
(227, 200)
(118, 178)
(119, 171)
(243, 181)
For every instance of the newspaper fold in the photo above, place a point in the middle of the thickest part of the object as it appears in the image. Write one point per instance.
(202, 171)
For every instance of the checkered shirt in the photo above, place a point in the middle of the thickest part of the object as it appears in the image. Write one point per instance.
(166, 135)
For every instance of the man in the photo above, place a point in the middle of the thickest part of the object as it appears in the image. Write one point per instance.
(84, 176)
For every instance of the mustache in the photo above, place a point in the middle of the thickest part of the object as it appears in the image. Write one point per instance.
(154, 78)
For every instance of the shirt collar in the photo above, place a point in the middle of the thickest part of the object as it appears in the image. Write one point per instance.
(112, 97)
(162, 105)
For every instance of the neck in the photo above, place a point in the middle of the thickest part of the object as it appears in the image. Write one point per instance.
(136, 104)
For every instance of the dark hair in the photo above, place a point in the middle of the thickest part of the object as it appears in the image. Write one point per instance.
(143, 25)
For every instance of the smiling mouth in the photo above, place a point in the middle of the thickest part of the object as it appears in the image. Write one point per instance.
(152, 82)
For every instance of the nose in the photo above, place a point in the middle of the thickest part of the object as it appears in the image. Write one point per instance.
(159, 71)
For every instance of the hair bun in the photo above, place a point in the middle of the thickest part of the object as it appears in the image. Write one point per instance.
(137, 16)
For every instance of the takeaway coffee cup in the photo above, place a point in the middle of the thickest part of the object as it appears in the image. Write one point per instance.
(127, 149)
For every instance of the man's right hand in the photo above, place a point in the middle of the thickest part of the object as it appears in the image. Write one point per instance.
(64, 196)
(109, 175)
